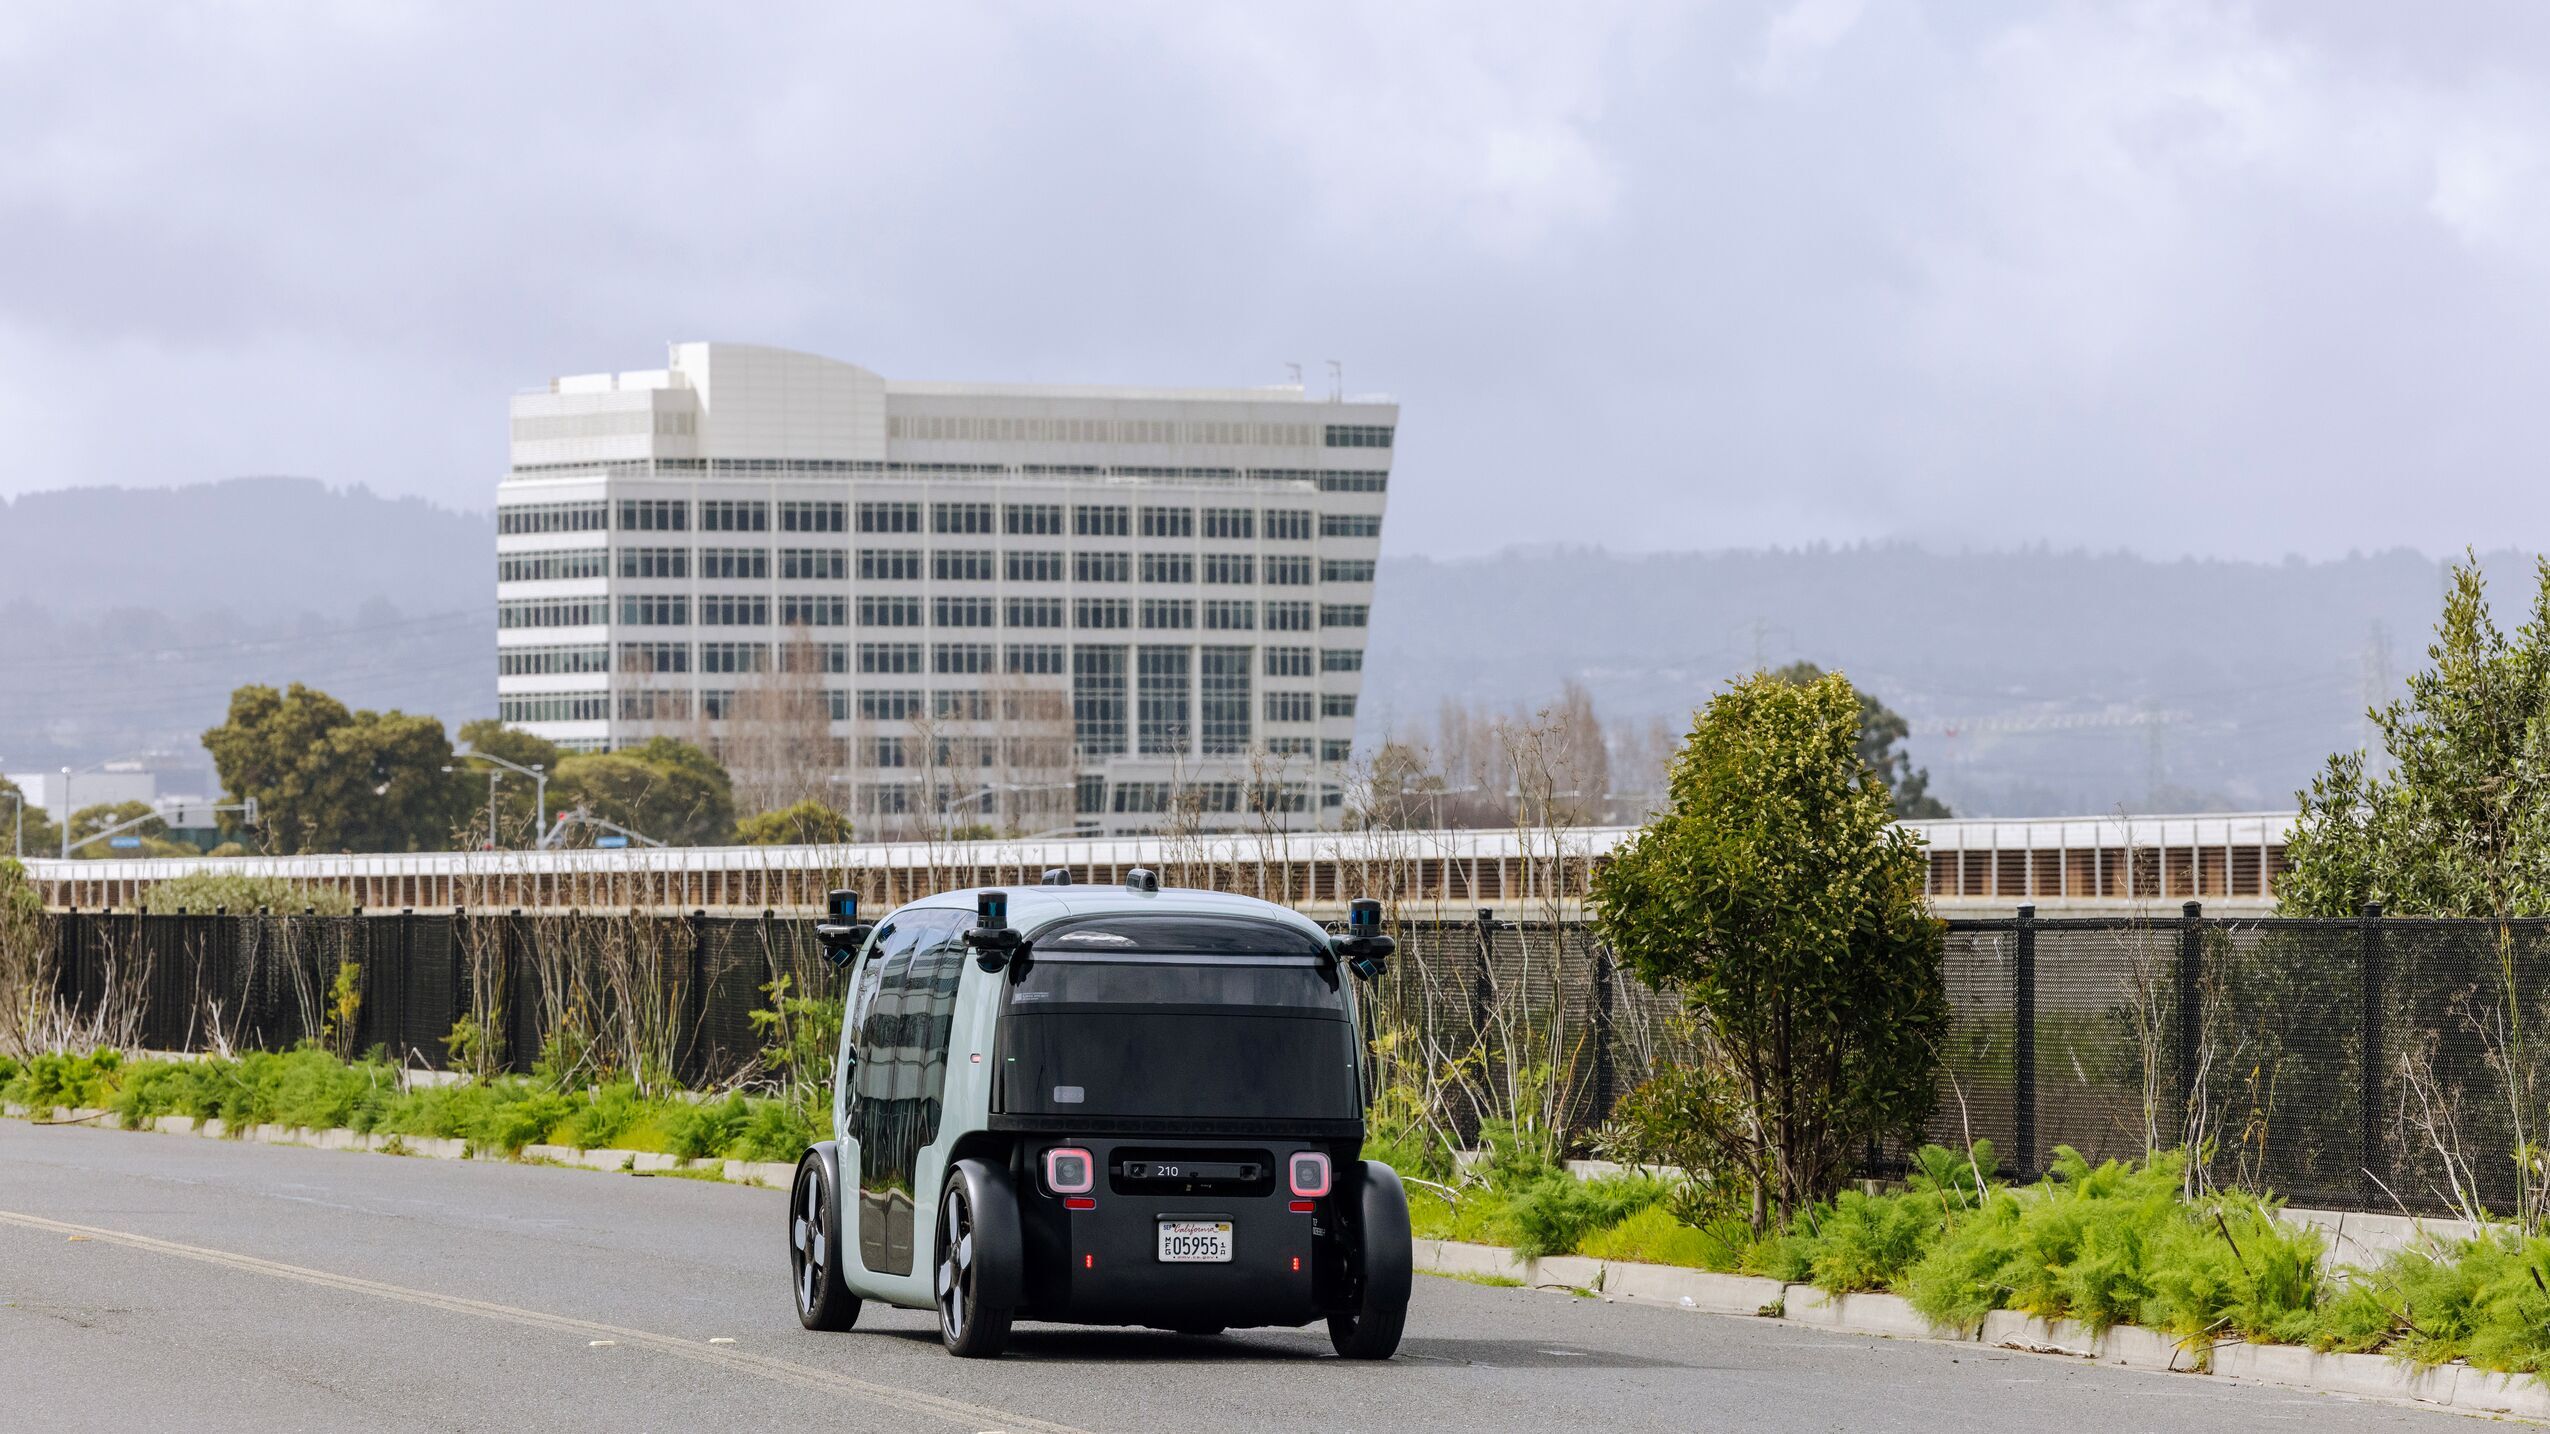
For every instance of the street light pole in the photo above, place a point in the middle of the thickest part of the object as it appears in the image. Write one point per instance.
(66, 814)
(492, 775)
(538, 772)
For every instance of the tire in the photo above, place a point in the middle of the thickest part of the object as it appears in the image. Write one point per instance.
(815, 1246)
(1384, 1268)
(975, 1260)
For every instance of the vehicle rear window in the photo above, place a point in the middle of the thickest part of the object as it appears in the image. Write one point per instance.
(1178, 935)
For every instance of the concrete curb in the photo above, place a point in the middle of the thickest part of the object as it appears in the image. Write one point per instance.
(1880, 1314)
(768, 1174)
(2128, 1345)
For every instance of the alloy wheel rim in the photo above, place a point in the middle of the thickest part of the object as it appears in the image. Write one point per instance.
(808, 1241)
(955, 1264)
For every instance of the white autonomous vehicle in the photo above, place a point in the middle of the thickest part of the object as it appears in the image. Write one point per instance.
(1101, 1105)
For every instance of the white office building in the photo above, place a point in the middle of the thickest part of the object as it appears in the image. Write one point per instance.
(1022, 607)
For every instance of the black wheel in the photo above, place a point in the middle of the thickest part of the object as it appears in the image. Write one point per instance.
(814, 1249)
(1384, 1267)
(977, 1258)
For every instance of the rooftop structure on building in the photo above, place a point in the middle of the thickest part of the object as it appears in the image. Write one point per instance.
(1017, 608)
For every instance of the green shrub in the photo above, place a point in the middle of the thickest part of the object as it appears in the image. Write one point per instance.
(239, 893)
(2485, 1300)
(1653, 1236)
(697, 1132)
(777, 1130)
(1555, 1213)
(604, 1117)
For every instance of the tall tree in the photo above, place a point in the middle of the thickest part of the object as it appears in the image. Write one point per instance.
(1780, 897)
(330, 779)
(1882, 733)
(2460, 824)
(28, 825)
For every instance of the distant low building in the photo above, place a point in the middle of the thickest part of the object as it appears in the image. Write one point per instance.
(1036, 608)
(60, 795)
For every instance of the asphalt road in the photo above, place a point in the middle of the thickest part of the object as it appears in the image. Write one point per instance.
(153, 1281)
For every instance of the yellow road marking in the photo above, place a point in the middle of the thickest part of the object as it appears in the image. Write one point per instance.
(955, 1411)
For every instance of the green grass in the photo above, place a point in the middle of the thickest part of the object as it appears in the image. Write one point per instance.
(311, 1089)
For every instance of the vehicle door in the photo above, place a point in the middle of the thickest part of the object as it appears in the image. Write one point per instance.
(899, 1072)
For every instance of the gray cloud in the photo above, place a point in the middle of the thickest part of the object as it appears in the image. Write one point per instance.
(2184, 277)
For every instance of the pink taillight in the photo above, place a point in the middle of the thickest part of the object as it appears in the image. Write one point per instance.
(1309, 1170)
(1069, 1170)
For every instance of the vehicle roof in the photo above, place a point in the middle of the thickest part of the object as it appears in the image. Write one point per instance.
(1033, 906)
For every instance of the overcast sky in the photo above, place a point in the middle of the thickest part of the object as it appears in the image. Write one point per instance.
(2242, 280)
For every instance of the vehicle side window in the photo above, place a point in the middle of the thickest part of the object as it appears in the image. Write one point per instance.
(904, 1028)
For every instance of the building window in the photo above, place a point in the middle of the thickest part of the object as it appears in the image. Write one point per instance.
(1222, 688)
(734, 515)
(1035, 612)
(1168, 522)
(589, 517)
(1350, 525)
(1336, 749)
(971, 705)
(1291, 747)
(1098, 701)
(812, 610)
(1288, 662)
(654, 515)
(960, 517)
(1344, 614)
(889, 611)
(1102, 521)
(1358, 435)
(1029, 567)
(889, 517)
(553, 706)
(1289, 617)
(1101, 567)
(812, 517)
(889, 565)
(1336, 704)
(838, 702)
(962, 611)
(717, 703)
(1032, 519)
(1288, 706)
(814, 657)
(566, 564)
(1345, 570)
(1168, 614)
(655, 562)
(734, 657)
(734, 610)
(643, 658)
(961, 565)
(1223, 615)
(884, 751)
(1163, 699)
(1288, 525)
(549, 661)
(1288, 572)
(1230, 522)
(817, 564)
(1238, 568)
(1357, 481)
(961, 657)
(647, 704)
(889, 657)
(655, 610)
(889, 705)
(1168, 567)
(1101, 612)
(1034, 659)
(734, 562)
(1341, 659)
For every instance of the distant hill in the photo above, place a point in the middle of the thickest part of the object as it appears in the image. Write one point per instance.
(2037, 681)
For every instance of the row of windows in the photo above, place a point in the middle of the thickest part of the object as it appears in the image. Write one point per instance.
(1359, 435)
(970, 428)
(1023, 659)
(1333, 479)
(548, 661)
(874, 610)
(562, 564)
(1088, 520)
(552, 612)
(553, 707)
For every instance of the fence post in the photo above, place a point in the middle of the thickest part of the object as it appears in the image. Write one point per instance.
(465, 992)
(2191, 1017)
(699, 1003)
(2023, 1047)
(1604, 1095)
(2375, 1169)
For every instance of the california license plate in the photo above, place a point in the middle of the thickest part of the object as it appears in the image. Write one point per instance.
(1195, 1242)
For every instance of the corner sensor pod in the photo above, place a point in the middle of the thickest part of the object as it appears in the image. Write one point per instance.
(1142, 878)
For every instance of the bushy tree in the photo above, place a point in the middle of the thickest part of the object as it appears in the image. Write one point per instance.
(2460, 825)
(38, 834)
(330, 779)
(668, 789)
(1882, 733)
(1779, 896)
(806, 823)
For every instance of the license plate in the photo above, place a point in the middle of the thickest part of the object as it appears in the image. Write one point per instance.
(1195, 1242)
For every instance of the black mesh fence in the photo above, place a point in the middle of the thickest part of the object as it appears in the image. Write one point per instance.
(2379, 1063)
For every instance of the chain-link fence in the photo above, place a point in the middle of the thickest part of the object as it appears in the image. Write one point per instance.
(2370, 1062)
